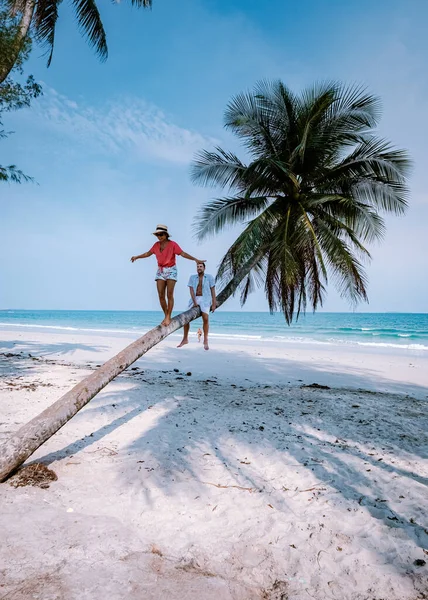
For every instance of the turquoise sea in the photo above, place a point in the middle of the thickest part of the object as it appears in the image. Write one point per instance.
(370, 330)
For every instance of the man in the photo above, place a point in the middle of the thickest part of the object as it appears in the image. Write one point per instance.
(202, 293)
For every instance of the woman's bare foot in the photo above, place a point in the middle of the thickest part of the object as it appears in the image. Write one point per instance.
(166, 321)
(182, 343)
(206, 347)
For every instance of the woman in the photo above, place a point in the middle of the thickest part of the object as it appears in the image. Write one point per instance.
(165, 251)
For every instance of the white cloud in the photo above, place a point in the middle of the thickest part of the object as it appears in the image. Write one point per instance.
(127, 126)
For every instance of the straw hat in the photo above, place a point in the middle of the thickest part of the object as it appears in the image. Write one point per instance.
(161, 229)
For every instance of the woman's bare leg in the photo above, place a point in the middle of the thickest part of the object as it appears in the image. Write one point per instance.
(161, 285)
(170, 285)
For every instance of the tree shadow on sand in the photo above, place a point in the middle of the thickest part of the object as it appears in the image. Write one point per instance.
(35, 349)
(302, 429)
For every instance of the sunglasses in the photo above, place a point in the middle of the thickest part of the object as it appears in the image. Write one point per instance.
(160, 234)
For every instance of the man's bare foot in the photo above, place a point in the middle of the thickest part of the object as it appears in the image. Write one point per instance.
(166, 321)
(206, 347)
(182, 343)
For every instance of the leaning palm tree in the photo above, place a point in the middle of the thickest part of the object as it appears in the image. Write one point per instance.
(311, 194)
(40, 17)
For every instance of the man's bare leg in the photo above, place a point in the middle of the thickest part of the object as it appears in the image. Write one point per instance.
(161, 285)
(205, 327)
(185, 339)
(170, 285)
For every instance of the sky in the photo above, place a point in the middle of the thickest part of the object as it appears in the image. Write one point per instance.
(110, 144)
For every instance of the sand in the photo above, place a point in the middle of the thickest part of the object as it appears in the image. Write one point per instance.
(220, 474)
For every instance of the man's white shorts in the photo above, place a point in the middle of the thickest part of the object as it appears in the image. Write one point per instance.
(202, 302)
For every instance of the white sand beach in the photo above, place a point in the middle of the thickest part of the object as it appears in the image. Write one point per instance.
(220, 474)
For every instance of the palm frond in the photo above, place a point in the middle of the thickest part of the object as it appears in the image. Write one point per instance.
(218, 168)
(45, 18)
(89, 22)
(250, 247)
(248, 118)
(355, 108)
(357, 217)
(347, 271)
(142, 3)
(214, 216)
(13, 174)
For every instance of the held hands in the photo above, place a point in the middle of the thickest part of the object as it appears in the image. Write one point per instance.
(200, 261)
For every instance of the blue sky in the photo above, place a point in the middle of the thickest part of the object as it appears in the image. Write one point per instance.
(110, 143)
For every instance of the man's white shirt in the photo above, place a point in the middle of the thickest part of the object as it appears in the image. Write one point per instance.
(208, 282)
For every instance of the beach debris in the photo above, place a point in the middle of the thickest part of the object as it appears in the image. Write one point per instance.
(419, 562)
(278, 591)
(238, 487)
(70, 510)
(318, 555)
(317, 386)
(189, 374)
(155, 550)
(11, 385)
(176, 371)
(192, 566)
(36, 474)
(104, 451)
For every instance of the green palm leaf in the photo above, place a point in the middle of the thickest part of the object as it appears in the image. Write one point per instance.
(44, 21)
(311, 196)
(89, 22)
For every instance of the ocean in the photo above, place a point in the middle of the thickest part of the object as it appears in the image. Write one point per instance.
(405, 331)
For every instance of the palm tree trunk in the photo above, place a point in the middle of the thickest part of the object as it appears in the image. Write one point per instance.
(31, 436)
(24, 26)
